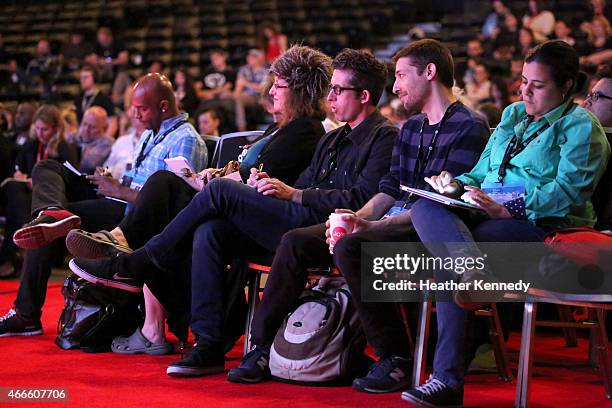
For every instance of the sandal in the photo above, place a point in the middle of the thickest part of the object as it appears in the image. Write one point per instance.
(94, 245)
(137, 343)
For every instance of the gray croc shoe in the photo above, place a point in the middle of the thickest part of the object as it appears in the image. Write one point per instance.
(137, 343)
(94, 245)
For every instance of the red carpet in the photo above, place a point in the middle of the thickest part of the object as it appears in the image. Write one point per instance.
(562, 378)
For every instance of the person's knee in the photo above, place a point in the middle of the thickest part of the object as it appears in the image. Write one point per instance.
(422, 207)
(346, 250)
(294, 240)
(211, 233)
(45, 166)
(163, 177)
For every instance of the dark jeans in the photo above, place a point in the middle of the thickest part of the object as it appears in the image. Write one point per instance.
(56, 186)
(303, 248)
(437, 223)
(16, 197)
(227, 218)
(161, 198)
(381, 321)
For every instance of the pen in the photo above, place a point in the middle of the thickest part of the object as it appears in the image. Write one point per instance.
(260, 168)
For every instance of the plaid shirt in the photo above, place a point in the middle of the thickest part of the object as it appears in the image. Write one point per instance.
(461, 139)
(182, 141)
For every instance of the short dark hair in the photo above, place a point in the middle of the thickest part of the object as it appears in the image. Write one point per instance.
(562, 60)
(429, 51)
(367, 72)
(92, 69)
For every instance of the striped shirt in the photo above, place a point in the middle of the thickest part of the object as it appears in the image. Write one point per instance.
(461, 138)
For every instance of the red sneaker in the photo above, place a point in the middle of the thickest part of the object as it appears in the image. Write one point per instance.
(48, 226)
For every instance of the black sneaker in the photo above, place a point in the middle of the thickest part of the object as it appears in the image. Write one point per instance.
(48, 226)
(386, 375)
(11, 324)
(202, 360)
(434, 394)
(254, 368)
(112, 272)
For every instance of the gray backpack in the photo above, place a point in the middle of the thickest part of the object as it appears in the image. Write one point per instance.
(321, 341)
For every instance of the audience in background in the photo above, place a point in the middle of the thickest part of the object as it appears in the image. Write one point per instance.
(8, 66)
(209, 123)
(43, 70)
(541, 22)
(91, 95)
(479, 88)
(599, 101)
(272, 42)
(184, 91)
(248, 86)
(109, 56)
(75, 51)
(71, 124)
(563, 32)
(93, 143)
(217, 84)
(47, 142)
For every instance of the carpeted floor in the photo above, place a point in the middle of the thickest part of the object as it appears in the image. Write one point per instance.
(562, 377)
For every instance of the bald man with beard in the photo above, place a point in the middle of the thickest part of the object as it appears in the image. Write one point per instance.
(63, 200)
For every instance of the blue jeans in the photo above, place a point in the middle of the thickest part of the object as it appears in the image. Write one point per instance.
(223, 221)
(437, 223)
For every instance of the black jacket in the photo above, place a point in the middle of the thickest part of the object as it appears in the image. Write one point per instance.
(290, 150)
(346, 168)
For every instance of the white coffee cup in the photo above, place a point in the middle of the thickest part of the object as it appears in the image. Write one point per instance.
(337, 229)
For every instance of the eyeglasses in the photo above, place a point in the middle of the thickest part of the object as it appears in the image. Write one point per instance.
(278, 86)
(337, 89)
(594, 96)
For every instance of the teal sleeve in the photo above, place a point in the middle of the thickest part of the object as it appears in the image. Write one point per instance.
(584, 152)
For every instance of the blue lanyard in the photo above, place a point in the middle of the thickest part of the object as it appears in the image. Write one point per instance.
(158, 139)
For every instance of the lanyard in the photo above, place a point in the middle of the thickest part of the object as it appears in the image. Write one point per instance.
(420, 165)
(42, 154)
(158, 139)
(514, 148)
(87, 101)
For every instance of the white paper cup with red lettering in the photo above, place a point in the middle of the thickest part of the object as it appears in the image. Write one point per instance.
(337, 229)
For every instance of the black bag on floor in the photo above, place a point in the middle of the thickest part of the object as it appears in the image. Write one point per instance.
(94, 315)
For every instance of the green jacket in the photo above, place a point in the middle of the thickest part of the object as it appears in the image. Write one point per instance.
(560, 168)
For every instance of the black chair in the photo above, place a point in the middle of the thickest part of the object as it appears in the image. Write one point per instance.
(229, 146)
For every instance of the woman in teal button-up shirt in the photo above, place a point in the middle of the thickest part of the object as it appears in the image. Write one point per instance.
(556, 151)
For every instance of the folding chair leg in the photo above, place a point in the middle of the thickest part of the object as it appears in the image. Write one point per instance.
(569, 333)
(253, 300)
(404, 314)
(420, 350)
(601, 348)
(499, 345)
(525, 356)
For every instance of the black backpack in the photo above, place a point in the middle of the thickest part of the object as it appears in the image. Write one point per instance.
(94, 315)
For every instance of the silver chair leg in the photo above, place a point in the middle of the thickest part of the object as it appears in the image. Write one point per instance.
(526, 355)
(420, 350)
(253, 301)
(600, 346)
